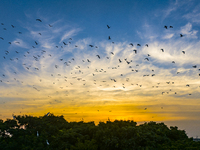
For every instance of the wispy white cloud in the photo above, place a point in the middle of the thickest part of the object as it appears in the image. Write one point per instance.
(188, 32)
(168, 36)
(69, 34)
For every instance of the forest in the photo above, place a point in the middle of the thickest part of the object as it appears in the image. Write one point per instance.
(50, 132)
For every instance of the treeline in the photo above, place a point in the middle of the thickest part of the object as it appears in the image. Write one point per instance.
(55, 133)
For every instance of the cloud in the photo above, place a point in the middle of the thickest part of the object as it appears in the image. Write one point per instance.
(194, 15)
(188, 32)
(69, 34)
(168, 36)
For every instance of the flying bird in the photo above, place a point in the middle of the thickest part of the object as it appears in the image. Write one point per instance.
(165, 27)
(98, 56)
(162, 50)
(135, 51)
(39, 20)
(183, 52)
(194, 66)
(181, 35)
(108, 26)
(91, 45)
(109, 38)
(170, 26)
(131, 44)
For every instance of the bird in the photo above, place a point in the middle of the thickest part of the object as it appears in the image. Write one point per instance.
(183, 52)
(36, 43)
(135, 51)
(120, 61)
(112, 53)
(98, 56)
(108, 26)
(194, 66)
(47, 142)
(64, 43)
(146, 59)
(165, 27)
(47, 114)
(162, 50)
(131, 44)
(181, 35)
(173, 62)
(170, 26)
(50, 25)
(109, 38)
(39, 20)
(147, 45)
(1, 38)
(91, 45)
(13, 26)
(138, 45)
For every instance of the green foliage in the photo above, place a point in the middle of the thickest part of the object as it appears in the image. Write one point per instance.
(21, 134)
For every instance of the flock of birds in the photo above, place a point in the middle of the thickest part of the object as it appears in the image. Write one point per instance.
(75, 74)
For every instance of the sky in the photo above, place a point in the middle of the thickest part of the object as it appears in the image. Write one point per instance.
(102, 60)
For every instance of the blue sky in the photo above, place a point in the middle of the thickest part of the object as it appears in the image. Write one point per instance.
(41, 74)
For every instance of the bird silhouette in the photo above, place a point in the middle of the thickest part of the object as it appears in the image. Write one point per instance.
(194, 66)
(39, 20)
(108, 26)
(98, 56)
(165, 27)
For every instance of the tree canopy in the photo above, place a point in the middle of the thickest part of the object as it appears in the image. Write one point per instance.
(55, 133)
